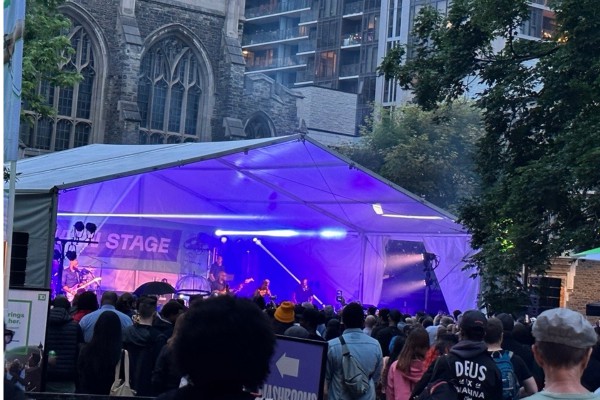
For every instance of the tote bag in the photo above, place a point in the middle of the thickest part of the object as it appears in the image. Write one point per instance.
(121, 387)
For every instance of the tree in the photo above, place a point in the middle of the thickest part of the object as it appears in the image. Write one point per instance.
(46, 51)
(428, 153)
(539, 158)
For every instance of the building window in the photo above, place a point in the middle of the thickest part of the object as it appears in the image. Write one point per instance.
(72, 124)
(259, 126)
(170, 93)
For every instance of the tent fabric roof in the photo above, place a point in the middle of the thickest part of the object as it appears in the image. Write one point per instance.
(290, 182)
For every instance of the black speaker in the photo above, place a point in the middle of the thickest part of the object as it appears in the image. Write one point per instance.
(545, 294)
(18, 258)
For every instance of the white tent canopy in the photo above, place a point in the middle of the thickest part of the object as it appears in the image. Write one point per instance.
(292, 185)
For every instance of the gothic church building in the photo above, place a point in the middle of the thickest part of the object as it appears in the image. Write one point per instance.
(159, 71)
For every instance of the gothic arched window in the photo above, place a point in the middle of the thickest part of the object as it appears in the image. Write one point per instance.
(170, 93)
(72, 124)
(259, 126)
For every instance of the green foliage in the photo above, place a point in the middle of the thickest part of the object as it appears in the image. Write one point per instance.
(427, 153)
(46, 50)
(539, 158)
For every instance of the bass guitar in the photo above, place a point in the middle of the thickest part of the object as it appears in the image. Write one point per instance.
(72, 291)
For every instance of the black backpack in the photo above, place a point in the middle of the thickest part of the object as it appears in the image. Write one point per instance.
(440, 389)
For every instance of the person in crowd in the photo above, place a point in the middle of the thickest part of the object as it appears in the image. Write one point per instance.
(309, 320)
(563, 346)
(302, 293)
(524, 351)
(396, 346)
(11, 390)
(166, 375)
(493, 339)
(591, 376)
(296, 331)
(333, 329)
(382, 321)
(468, 356)
(384, 336)
(284, 317)
(108, 301)
(98, 358)
(227, 358)
(63, 338)
(216, 268)
(164, 320)
(87, 302)
(408, 368)
(369, 323)
(143, 342)
(363, 348)
(126, 304)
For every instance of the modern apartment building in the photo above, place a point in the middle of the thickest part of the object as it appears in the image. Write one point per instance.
(326, 43)
(397, 22)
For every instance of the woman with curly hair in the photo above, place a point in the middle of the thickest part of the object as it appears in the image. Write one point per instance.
(98, 359)
(406, 371)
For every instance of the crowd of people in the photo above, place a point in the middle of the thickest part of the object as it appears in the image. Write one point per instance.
(220, 348)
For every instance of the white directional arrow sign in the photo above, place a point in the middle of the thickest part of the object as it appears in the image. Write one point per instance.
(288, 366)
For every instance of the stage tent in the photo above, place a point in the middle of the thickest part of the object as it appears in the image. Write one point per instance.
(335, 216)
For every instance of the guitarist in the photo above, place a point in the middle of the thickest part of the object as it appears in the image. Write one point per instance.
(220, 286)
(71, 278)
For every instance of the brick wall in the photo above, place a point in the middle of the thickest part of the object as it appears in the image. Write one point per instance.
(586, 286)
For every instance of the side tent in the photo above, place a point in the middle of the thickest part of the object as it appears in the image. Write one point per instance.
(160, 208)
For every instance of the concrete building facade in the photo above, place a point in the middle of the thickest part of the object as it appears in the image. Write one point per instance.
(158, 71)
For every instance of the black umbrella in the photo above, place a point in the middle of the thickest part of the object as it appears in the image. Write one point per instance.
(154, 288)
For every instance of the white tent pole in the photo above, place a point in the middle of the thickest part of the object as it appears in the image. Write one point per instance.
(10, 213)
(363, 253)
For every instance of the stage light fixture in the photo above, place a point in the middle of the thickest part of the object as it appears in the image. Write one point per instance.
(79, 226)
(91, 228)
(332, 234)
(223, 239)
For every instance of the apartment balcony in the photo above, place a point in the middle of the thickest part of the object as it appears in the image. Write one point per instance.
(349, 71)
(261, 38)
(307, 46)
(353, 9)
(270, 12)
(351, 39)
(309, 17)
(304, 77)
(275, 64)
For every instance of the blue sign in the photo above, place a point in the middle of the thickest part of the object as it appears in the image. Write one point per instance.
(297, 370)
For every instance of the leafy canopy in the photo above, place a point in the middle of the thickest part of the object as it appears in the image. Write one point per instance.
(429, 153)
(539, 158)
(46, 53)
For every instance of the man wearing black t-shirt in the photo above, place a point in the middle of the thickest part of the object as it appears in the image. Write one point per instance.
(493, 339)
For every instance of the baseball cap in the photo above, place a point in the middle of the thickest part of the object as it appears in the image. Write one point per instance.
(473, 320)
(564, 326)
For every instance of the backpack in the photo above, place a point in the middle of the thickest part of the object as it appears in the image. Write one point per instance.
(356, 381)
(510, 382)
(440, 389)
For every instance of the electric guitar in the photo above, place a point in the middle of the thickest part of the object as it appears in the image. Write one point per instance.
(228, 290)
(72, 291)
